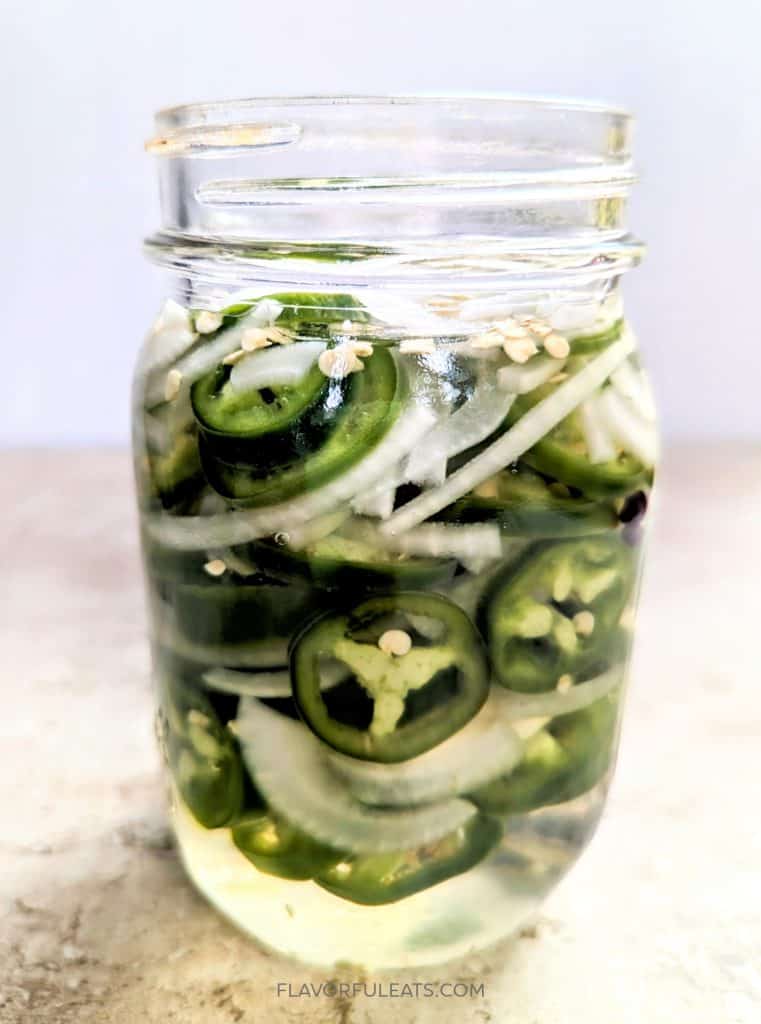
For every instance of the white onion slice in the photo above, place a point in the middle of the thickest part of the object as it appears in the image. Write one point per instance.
(378, 501)
(529, 429)
(517, 706)
(249, 684)
(573, 317)
(442, 540)
(266, 684)
(299, 537)
(191, 533)
(156, 433)
(627, 427)
(600, 447)
(485, 309)
(646, 406)
(582, 319)
(468, 591)
(426, 472)
(267, 654)
(633, 385)
(276, 366)
(170, 337)
(204, 358)
(290, 768)
(475, 564)
(410, 316)
(484, 749)
(266, 312)
(520, 379)
(436, 540)
(469, 425)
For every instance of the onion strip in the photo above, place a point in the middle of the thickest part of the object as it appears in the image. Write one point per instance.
(484, 749)
(521, 379)
(170, 338)
(633, 384)
(627, 427)
(191, 533)
(517, 706)
(249, 684)
(529, 429)
(441, 540)
(472, 423)
(277, 366)
(203, 359)
(290, 768)
(266, 684)
(600, 447)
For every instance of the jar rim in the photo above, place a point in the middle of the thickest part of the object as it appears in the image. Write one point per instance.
(470, 141)
(201, 112)
(393, 174)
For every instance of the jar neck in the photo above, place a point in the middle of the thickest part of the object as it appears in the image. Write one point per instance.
(403, 193)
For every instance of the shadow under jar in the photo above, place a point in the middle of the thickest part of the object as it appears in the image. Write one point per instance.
(394, 450)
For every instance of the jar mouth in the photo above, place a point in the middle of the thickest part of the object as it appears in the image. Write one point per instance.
(510, 137)
(392, 174)
(183, 113)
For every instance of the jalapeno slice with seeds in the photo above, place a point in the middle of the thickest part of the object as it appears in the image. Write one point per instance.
(562, 761)
(264, 427)
(393, 706)
(275, 847)
(203, 756)
(236, 617)
(308, 314)
(377, 879)
(524, 504)
(337, 561)
(556, 612)
(361, 409)
(176, 474)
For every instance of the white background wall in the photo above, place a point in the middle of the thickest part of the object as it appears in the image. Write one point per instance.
(79, 80)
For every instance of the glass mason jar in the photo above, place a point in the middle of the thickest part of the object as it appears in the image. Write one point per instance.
(394, 451)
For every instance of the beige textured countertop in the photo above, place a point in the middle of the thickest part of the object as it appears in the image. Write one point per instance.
(659, 923)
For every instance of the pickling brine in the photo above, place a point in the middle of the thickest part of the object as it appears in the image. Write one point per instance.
(392, 541)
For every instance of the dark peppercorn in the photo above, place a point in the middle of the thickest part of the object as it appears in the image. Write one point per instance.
(634, 507)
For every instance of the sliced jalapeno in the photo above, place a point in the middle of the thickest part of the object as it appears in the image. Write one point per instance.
(177, 474)
(375, 879)
(361, 409)
(418, 673)
(587, 344)
(203, 757)
(557, 612)
(275, 847)
(307, 313)
(524, 504)
(268, 427)
(168, 563)
(562, 453)
(338, 562)
(227, 619)
(311, 313)
(562, 761)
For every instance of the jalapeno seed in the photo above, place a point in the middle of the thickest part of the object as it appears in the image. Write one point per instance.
(173, 385)
(208, 322)
(253, 339)
(396, 642)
